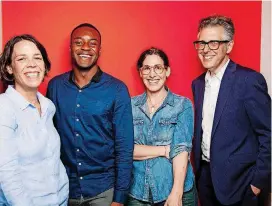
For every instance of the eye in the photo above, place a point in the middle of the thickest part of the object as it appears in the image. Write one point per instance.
(93, 44)
(78, 43)
(146, 68)
(38, 58)
(21, 59)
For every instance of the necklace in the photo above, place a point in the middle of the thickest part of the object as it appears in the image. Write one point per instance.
(155, 106)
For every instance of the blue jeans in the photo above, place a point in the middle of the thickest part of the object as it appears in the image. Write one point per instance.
(188, 199)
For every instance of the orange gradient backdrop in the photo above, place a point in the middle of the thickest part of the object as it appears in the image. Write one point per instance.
(128, 28)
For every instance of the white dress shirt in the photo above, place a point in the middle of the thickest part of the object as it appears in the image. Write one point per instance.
(212, 86)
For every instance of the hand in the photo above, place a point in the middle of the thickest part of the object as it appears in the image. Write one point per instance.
(167, 151)
(173, 200)
(255, 190)
(116, 204)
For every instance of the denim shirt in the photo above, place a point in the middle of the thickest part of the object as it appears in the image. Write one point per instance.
(31, 172)
(171, 124)
(96, 130)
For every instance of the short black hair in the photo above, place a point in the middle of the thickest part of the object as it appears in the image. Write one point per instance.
(85, 25)
(151, 51)
(6, 60)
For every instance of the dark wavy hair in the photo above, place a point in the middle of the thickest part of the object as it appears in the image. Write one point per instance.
(5, 58)
(151, 51)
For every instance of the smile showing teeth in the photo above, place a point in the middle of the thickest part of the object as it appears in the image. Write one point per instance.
(32, 74)
(153, 81)
(207, 57)
(84, 56)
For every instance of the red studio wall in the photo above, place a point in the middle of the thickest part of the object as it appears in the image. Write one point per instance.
(128, 28)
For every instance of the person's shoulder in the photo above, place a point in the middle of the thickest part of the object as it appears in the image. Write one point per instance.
(59, 78)
(136, 98)
(115, 80)
(6, 103)
(184, 101)
(248, 73)
(199, 78)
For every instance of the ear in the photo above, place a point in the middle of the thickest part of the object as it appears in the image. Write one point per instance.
(230, 46)
(9, 69)
(168, 71)
(100, 50)
(140, 73)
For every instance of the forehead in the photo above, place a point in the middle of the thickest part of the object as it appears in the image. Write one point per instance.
(87, 32)
(152, 60)
(25, 47)
(211, 33)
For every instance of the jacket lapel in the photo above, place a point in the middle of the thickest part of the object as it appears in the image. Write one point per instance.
(225, 87)
(200, 102)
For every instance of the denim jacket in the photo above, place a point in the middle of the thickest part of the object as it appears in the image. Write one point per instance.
(171, 124)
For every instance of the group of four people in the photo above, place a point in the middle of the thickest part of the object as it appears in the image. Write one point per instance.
(112, 146)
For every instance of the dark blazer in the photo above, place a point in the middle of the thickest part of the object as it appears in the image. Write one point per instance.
(240, 150)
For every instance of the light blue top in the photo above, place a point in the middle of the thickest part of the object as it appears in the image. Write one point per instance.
(31, 172)
(171, 124)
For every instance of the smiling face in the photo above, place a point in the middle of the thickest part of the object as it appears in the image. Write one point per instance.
(27, 66)
(154, 82)
(214, 59)
(85, 48)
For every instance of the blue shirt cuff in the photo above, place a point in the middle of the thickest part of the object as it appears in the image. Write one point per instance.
(120, 196)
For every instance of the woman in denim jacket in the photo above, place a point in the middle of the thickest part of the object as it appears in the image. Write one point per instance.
(163, 129)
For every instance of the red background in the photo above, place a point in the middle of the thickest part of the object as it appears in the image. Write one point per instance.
(128, 28)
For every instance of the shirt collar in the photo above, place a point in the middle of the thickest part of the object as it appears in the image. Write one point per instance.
(218, 75)
(22, 103)
(168, 100)
(96, 78)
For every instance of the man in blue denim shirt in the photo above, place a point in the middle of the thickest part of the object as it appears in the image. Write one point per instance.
(94, 121)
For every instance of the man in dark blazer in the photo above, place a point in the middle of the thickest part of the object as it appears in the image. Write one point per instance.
(232, 140)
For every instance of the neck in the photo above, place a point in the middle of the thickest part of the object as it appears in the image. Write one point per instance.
(156, 96)
(83, 78)
(216, 70)
(29, 94)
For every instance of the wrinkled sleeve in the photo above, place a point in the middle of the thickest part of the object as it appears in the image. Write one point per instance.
(258, 107)
(183, 133)
(124, 138)
(10, 178)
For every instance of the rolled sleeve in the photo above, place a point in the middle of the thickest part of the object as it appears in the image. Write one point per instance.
(10, 179)
(124, 138)
(182, 138)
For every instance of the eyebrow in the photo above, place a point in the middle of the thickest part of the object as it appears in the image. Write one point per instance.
(80, 38)
(37, 54)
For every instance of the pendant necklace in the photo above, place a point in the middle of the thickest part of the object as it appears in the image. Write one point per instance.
(153, 106)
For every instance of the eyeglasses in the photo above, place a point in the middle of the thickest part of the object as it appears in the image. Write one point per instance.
(158, 69)
(213, 44)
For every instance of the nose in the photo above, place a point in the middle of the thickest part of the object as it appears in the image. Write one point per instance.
(31, 63)
(152, 72)
(85, 46)
(206, 48)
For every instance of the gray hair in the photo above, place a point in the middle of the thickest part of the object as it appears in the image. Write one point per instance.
(218, 20)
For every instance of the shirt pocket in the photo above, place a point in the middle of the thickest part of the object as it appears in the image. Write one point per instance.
(138, 124)
(165, 130)
(95, 112)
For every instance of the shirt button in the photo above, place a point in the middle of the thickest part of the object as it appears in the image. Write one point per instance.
(77, 135)
(81, 178)
(77, 150)
(79, 164)
(77, 120)
(80, 90)
(78, 105)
